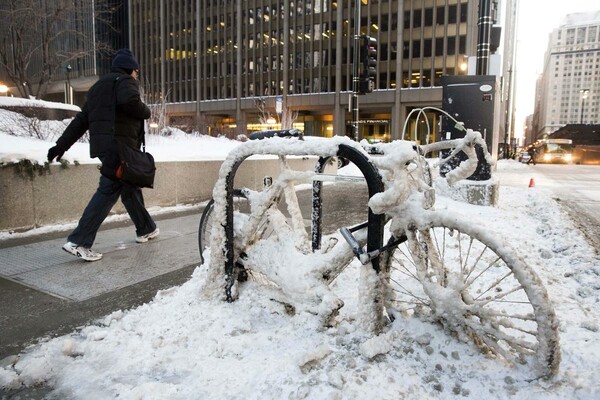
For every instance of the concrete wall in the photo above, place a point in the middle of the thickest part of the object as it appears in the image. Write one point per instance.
(60, 195)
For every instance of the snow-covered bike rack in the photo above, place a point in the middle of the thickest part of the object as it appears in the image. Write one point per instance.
(278, 145)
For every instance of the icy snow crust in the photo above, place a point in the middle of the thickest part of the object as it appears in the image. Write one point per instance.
(188, 344)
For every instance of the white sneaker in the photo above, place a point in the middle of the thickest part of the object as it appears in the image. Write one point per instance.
(147, 236)
(81, 252)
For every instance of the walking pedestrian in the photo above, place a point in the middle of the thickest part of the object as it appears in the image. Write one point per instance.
(532, 157)
(113, 111)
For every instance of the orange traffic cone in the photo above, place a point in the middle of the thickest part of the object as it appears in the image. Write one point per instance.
(531, 183)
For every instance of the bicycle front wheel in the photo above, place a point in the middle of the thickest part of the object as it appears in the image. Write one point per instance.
(473, 284)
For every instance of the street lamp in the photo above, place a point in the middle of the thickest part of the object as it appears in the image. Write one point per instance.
(463, 66)
(153, 127)
(584, 95)
(3, 89)
(69, 90)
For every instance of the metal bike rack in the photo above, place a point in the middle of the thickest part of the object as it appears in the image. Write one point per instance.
(375, 222)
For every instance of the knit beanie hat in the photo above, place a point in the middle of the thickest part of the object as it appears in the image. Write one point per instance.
(125, 60)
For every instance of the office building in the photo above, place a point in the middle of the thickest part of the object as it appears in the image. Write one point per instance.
(568, 91)
(225, 67)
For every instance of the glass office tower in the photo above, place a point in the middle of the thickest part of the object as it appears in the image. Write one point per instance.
(224, 65)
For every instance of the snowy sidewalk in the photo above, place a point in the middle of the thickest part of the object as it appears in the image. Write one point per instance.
(44, 266)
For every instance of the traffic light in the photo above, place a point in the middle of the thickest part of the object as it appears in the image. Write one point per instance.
(368, 55)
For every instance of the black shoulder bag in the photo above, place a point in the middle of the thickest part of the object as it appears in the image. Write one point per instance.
(126, 163)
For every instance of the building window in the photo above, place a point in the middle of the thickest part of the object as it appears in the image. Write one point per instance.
(427, 48)
(441, 13)
(580, 35)
(463, 13)
(452, 14)
(416, 18)
(451, 40)
(416, 48)
(429, 17)
(592, 32)
(439, 46)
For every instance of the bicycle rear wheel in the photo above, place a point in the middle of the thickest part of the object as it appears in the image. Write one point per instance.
(240, 204)
(477, 288)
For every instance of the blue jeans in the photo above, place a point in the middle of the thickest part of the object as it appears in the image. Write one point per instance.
(102, 202)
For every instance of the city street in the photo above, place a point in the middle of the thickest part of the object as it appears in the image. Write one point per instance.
(576, 187)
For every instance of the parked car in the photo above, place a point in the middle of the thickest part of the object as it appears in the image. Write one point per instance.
(524, 156)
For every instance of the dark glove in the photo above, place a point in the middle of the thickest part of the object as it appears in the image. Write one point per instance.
(55, 152)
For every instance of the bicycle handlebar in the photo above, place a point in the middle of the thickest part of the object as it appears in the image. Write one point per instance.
(466, 145)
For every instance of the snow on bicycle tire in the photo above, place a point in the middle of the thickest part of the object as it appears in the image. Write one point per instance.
(241, 208)
(451, 272)
(241, 212)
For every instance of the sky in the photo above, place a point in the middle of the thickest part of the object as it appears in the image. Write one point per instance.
(536, 19)
(185, 344)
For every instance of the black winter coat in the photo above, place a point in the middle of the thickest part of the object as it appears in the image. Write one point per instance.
(106, 117)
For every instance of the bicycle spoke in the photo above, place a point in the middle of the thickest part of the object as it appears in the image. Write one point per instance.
(407, 302)
(433, 256)
(414, 258)
(496, 349)
(520, 345)
(500, 335)
(409, 259)
(513, 302)
(405, 272)
(441, 255)
(471, 270)
(408, 292)
(463, 267)
(460, 259)
(490, 313)
(509, 324)
(417, 299)
(437, 245)
(498, 297)
(482, 272)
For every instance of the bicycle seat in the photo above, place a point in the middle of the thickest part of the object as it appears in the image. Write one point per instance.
(283, 133)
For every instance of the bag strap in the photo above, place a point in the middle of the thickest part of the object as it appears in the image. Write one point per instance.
(143, 142)
(114, 112)
(114, 105)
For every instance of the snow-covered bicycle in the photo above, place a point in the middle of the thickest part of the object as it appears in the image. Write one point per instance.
(436, 265)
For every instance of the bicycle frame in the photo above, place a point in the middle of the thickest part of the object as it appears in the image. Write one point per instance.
(338, 146)
(223, 192)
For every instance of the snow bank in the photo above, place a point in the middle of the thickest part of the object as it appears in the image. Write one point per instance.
(7, 101)
(184, 346)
